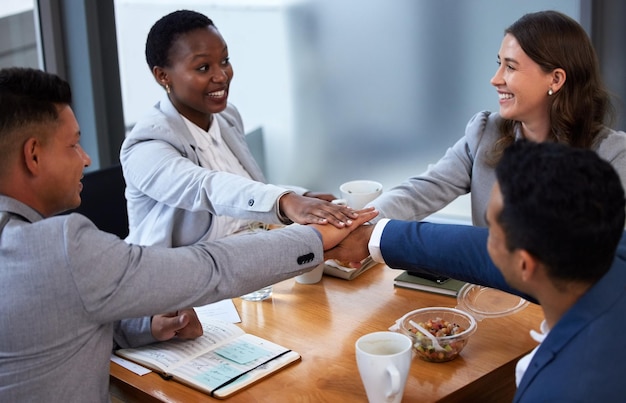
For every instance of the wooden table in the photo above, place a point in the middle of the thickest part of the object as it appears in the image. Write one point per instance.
(322, 322)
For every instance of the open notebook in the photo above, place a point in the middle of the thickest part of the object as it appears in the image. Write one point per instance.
(221, 362)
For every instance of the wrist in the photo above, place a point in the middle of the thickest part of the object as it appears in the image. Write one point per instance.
(282, 217)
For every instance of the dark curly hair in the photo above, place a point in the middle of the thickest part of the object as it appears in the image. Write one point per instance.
(563, 205)
(581, 108)
(166, 31)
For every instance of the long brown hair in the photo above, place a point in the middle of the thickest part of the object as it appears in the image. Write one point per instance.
(582, 107)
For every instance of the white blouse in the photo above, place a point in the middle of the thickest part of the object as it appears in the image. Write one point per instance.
(214, 154)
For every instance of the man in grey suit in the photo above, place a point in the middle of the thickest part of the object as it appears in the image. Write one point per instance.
(64, 283)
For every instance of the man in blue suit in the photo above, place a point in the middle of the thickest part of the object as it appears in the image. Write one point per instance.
(555, 235)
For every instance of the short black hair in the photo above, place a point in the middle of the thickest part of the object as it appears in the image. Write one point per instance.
(28, 96)
(564, 205)
(166, 31)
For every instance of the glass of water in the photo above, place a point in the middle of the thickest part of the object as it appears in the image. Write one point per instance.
(259, 295)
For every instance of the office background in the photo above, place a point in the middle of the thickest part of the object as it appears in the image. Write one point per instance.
(343, 89)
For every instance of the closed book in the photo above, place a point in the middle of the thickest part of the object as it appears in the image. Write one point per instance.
(448, 287)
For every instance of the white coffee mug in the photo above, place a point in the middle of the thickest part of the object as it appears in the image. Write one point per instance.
(313, 276)
(360, 192)
(384, 359)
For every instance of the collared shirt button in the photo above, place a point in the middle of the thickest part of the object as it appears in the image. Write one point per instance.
(251, 202)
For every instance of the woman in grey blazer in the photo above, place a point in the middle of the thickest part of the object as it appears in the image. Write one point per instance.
(549, 86)
(189, 173)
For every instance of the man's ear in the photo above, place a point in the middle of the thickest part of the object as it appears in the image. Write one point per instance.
(32, 155)
(527, 266)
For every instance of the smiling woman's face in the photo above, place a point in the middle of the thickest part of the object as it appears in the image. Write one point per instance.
(199, 75)
(521, 84)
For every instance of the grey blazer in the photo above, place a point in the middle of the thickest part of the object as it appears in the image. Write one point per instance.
(63, 283)
(464, 169)
(171, 199)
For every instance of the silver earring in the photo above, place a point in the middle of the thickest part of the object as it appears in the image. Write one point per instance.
(550, 92)
(167, 88)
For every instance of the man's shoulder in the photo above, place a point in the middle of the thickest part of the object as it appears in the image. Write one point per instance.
(589, 354)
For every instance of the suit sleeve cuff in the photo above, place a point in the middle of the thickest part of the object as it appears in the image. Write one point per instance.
(374, 243)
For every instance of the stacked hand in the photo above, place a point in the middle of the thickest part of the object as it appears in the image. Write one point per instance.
(353, 248)
(333, 236)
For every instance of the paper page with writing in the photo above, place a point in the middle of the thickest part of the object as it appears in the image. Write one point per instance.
(224, 311)
(167, 355)
(236, 364)
(222, 361)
